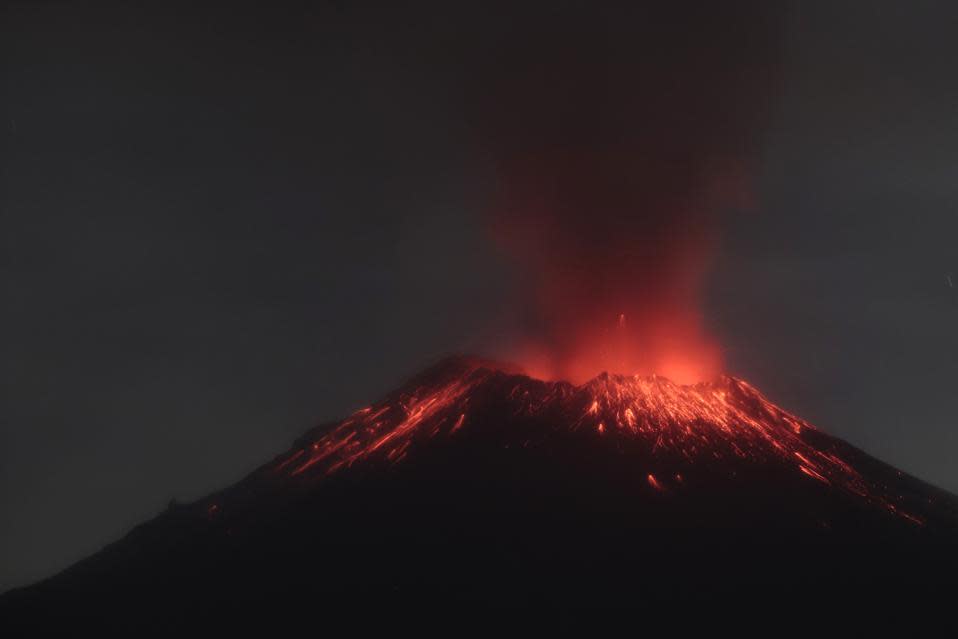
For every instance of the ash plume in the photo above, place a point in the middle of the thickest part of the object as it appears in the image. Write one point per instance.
(619, 142)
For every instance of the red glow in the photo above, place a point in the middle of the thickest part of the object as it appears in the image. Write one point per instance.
(668, 341)
(676, 348)
(613, 266)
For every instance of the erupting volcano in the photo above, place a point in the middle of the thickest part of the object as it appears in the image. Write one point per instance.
(618, 463)
(477, 483)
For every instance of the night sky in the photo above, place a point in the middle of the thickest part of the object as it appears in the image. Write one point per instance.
(220, 228)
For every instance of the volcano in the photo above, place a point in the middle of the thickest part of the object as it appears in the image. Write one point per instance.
(476, 484)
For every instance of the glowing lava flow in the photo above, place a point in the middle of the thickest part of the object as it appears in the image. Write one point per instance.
(664, 424)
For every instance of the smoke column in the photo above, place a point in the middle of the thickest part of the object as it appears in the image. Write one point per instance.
(619, 141)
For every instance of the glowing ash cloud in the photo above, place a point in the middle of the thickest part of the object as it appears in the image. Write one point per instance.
(618, 145)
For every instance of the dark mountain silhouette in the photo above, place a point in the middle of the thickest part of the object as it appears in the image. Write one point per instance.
(473, 485)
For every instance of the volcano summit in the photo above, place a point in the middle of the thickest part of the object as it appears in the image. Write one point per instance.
(474, 483)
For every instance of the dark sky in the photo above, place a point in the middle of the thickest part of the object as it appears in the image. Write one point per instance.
(220, 228)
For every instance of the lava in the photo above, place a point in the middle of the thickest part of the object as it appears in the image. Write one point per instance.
(665, 425)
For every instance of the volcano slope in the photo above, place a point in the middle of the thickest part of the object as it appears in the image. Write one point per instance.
(479, 486)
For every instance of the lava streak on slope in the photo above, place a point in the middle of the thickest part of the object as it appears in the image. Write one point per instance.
(669, 428)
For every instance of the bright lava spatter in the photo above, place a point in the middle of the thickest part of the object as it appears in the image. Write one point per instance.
(668, 425)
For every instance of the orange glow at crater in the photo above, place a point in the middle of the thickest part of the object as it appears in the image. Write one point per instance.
(617, 291)
(682, 352)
